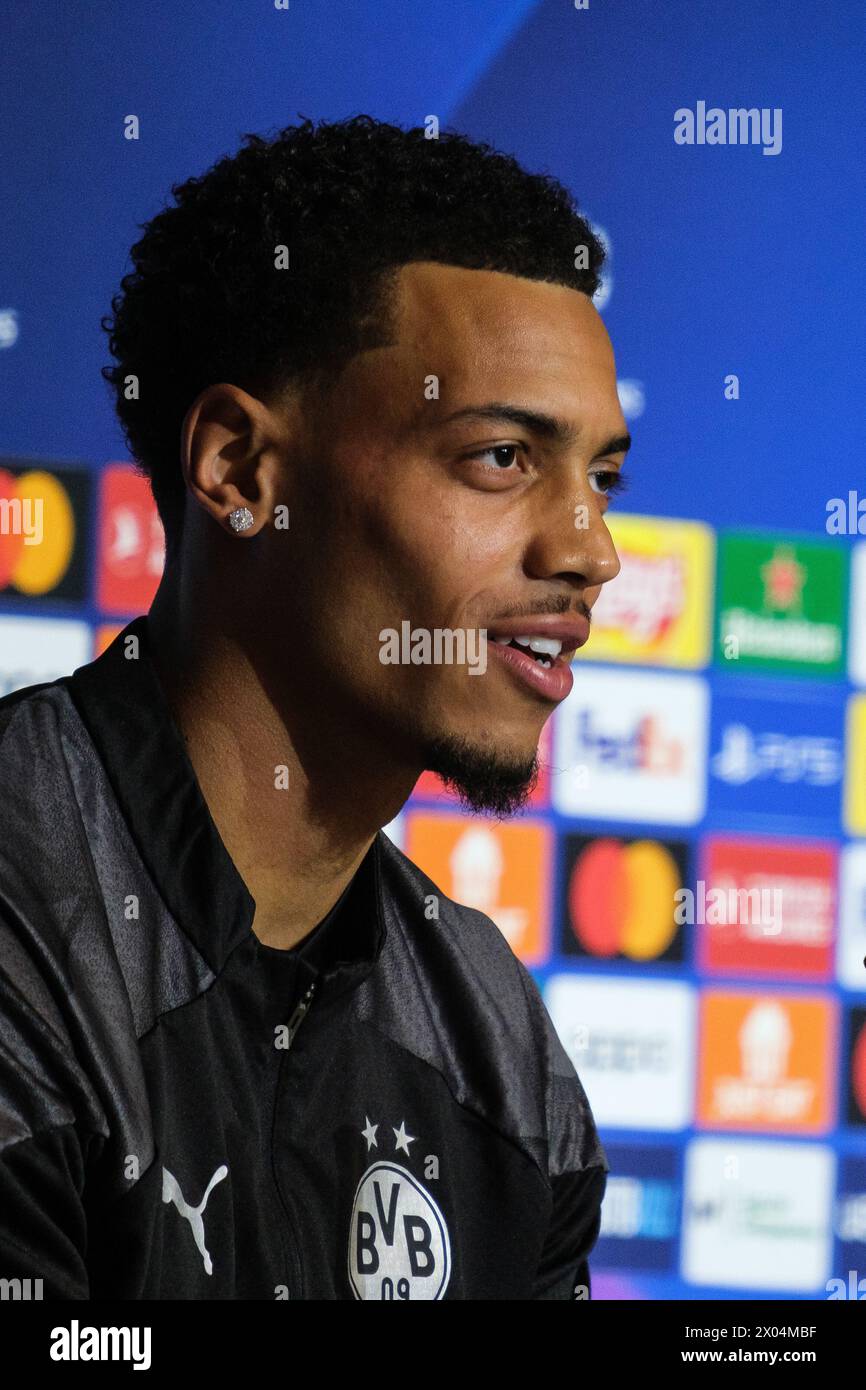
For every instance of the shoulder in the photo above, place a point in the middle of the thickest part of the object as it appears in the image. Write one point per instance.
(42, 740)
(40, 824)
(504, 1052)
(30, 720)
(64, 1006)
(37, 737)
(39, 914)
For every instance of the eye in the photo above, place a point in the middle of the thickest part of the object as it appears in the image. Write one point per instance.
(500, 464)
(610, 480)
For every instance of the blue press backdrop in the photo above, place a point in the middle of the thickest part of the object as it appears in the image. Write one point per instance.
(724, 260)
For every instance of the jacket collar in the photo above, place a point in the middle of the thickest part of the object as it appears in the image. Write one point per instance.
(125, 710)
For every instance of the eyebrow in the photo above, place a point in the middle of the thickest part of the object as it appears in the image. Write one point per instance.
(547, 426)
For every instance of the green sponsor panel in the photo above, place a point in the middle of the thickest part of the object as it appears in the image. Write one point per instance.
(782, 603)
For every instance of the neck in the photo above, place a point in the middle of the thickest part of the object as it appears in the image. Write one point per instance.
(297, 807)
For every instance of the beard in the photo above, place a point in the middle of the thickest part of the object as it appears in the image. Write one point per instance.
(485, 782)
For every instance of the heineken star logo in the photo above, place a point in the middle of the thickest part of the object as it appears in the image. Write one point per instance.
(783, 578)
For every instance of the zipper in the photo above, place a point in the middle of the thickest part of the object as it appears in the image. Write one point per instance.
(300, 1014)
(297, 1018)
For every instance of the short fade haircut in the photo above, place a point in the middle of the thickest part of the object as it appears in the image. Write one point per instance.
(352, 201)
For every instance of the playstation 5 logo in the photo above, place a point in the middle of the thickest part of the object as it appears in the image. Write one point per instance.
(745, 756)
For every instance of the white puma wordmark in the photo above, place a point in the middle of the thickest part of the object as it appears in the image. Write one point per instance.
(194, 1215)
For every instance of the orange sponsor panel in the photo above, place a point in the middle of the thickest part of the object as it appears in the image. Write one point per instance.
(502, 870)
(766, 1061)
(104, 636)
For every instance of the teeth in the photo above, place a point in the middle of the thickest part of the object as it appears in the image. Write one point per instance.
(546, 646)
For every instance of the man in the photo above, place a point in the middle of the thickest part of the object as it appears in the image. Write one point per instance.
(248, 1049)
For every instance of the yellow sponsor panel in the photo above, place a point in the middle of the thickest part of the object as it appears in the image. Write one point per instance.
(658, 610)
(855, 766)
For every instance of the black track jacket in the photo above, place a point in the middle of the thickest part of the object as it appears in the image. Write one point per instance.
(384, 1112)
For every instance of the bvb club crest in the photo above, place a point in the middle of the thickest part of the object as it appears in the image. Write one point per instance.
(398, 1240)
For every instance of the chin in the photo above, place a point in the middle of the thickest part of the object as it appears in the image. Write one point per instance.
(488, 779)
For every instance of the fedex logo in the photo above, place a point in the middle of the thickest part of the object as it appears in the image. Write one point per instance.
(644, 747)
(631, 746)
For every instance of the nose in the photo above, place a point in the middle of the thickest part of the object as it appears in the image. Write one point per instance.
(570, 540)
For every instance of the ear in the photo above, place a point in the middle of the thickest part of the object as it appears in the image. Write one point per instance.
(231, 444)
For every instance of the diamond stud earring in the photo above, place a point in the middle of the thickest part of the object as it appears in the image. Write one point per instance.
(241, 519)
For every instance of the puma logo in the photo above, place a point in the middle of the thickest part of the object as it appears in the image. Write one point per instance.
(194, 1215)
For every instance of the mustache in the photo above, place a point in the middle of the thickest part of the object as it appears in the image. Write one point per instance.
(558, 607)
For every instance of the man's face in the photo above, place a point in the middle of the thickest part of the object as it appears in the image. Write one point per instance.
(406, 508)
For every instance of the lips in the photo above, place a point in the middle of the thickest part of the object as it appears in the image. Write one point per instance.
(571, 632)
(551, 683)
(538, 651)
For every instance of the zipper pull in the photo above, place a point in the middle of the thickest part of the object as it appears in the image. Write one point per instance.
(300, 1013)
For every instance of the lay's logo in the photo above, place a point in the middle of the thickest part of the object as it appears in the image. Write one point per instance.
(657, 610)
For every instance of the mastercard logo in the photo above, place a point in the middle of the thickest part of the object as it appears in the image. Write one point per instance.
(37, 531)
(858, 1068)
(620, 898)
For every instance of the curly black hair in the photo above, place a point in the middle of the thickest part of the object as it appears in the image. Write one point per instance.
(351, 201)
